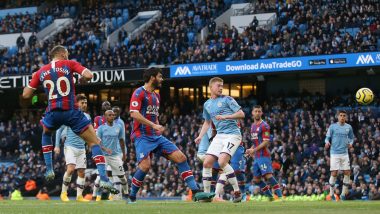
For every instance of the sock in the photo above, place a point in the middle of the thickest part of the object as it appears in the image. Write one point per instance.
(220, 185)
(124, 184)
(231, 177)
(332, 185)
(214, 178)
(137, 181)
(187, 175)
(207, 177)
(265, 189)
(117, 184)
(97, 156)
(47, 148)
(66, 182)
(240, 176)
(96, 186)
(276, 186)
(80, 186)
(346, 184)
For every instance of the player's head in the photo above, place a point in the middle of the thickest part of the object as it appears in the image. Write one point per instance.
(106, 106)
(257, 112)
(116, 110)
(59, 52)
(82, 102)
(342, 116)
(153, 76)
(110, 116)
(216, 86)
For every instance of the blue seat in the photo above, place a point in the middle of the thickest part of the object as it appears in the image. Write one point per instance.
(42, 24)
(49, 19)
(73, 11)
(190, 13)
(114, 22)
(125, 17)
(119, 21)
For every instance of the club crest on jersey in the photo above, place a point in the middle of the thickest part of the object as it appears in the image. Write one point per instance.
(347, 130)
(266, 134)
(219, 104)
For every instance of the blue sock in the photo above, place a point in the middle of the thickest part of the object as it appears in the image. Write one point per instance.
(137, 181)
(187, 175)
(47, 149)
(276, 186)
(265, 189)
(240, 176)
(214, 179)
(98, 157)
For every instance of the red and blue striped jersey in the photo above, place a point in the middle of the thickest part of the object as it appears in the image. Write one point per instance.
(98, 121)
(260, 133)
(148, 104)
(58, 82)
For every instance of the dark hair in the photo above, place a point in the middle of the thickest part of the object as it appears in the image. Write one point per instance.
(342, 112)
(80, 97)
(56, 50)
(257, 106)
(115, 107)
(150, 72)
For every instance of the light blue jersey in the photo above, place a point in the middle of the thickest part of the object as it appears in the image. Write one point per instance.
(72, 139)
(120, 122)
(339, 136)
(205, 142)
(110, 137)
(223, 105)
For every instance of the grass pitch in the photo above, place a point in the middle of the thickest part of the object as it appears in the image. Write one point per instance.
(177, 207)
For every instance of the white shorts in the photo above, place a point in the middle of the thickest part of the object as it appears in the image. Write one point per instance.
(224, 143)
(76, 157)
(115, 164)
(339, 162)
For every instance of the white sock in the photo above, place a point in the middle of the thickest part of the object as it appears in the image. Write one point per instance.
(80, 186)
(219, 189)
(124, 185)
(96, 186)
(332, 185)
(207, 177)
(66, 182)
(117, 184)
(346, 183)
(231, 177)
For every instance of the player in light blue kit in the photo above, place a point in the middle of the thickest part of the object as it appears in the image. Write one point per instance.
(75, 154)
(339, 138)
(112, 141)
(224, 112)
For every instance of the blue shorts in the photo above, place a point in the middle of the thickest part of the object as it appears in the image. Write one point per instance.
(158, 145)
(262, 166)
(75, 119)
(238, 161)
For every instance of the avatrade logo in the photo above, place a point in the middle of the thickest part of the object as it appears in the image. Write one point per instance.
(182, 71)
(365, 59)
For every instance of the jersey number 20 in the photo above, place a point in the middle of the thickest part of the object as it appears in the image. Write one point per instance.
(59, 89)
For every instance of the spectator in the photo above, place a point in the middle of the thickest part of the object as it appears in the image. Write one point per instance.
(32, 40)
(20, 42)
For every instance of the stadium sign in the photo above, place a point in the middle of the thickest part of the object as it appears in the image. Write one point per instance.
(335, 61)
(104, 76)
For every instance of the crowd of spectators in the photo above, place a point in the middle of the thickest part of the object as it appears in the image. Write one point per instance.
(298, 128)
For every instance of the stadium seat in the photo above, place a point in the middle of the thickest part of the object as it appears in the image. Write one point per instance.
(119, 21)
(190, 13)
(72, 11)
(190, 36)
(114, 22)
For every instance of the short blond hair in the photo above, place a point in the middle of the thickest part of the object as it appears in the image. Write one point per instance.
(215, 79)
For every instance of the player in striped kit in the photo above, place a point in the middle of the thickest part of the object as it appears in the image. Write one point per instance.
(148, 139)
(101, 119)
(223, 112)
(339, 138)
(58, 82)
(112, 140)
(75, 154)
(262, 164)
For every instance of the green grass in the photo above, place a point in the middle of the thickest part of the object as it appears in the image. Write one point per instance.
(164, 207)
